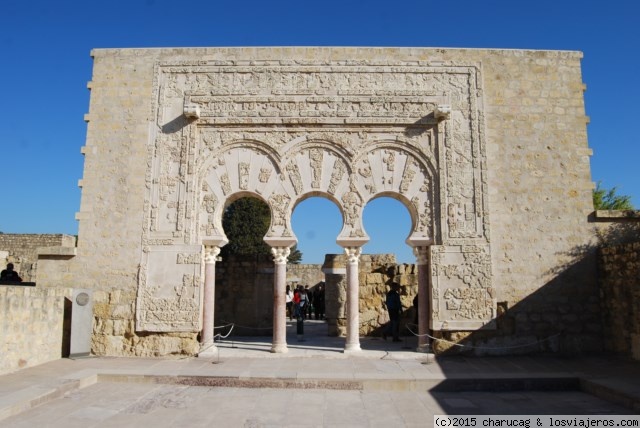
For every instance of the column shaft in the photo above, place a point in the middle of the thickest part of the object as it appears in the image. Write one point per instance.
(353, 300)
(207, 347)
(422, 257)
(279, 343)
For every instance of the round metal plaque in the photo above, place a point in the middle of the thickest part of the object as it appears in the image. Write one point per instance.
(82, 299)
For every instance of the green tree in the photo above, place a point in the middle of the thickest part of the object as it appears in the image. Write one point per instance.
(604, 199)
(296, 255)
(246, 222)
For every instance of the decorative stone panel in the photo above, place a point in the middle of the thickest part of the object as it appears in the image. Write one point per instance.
(462, 296)
(282, 131)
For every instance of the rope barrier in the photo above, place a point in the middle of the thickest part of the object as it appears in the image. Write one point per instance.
(481, 347)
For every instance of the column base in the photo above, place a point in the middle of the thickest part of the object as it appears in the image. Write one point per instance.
(208, 351)
(279, 348)
(424, 348)
(352, 348)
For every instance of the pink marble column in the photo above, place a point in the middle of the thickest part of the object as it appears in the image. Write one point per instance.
(279, 343)
(208, 347)
(422, 259)
(353, 300)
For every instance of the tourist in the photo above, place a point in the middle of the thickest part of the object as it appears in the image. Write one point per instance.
(394, 307)
(9, 274)
(289, 300)
(304, 301)
(318, 301)
(296, 303)
(309, 308)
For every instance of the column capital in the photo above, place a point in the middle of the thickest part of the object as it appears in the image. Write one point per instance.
(422, 255)
(353, 254)
(280, 255)
(211, 254)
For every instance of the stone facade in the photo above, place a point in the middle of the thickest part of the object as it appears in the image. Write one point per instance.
(22, 250)
(34, 326)
(620, 282)
(487, 150)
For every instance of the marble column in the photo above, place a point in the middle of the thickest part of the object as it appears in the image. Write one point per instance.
(279, 343)
(208, 347)
(353, 300)
(422, 260)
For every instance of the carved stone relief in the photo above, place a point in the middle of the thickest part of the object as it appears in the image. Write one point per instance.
(462, 296)
(348, 130)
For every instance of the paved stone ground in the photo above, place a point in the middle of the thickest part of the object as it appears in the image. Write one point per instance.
(108, 404)
(314, 384)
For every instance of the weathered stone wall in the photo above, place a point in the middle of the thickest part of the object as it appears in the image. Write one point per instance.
(244, 292)
(537, 183)
(22, 250)
(376, 273)
(305, 274)
(32, 326)
(620, 285)
(244, 295)
(114, 330)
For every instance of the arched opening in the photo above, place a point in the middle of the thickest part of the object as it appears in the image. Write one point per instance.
(316, 222)
(244, 275)
(388, 224)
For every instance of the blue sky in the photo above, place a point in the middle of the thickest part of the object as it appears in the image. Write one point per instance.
(45, 65)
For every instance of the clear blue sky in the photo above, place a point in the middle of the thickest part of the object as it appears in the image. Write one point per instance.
(45, 65)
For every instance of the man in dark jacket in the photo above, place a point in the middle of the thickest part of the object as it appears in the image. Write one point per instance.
(394, 307)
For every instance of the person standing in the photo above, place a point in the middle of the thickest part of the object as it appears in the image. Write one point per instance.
(304, 301)
(310, 302)
(289, 300)
(394, 307)
(318, 301)
(9, 274)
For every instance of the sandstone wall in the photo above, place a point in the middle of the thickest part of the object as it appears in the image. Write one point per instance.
(34, 326)
(305, 274)
(538, 180)
(22, 250)
(620, 284)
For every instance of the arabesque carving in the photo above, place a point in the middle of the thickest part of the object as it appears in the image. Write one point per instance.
(348, 129)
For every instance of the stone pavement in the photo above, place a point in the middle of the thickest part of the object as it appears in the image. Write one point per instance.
(314, 384)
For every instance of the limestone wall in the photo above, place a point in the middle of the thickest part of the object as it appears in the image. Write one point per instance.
(531, 207)
(620, 284)
(22, 250)
(305, 274)
(34, 326)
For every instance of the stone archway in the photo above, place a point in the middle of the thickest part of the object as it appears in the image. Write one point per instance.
(350, 132)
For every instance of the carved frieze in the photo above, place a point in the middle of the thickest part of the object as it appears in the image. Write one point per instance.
(261, 129)
(462, 294)
(169, 289)
(352, 209)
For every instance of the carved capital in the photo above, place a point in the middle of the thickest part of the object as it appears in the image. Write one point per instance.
(422, 255)
(280, 255)
(353, 254)
(211, 254)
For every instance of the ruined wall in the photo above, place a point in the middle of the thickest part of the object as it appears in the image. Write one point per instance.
(22, 250)
(376, 273)
(305, 274)
(244, 295)
(620, 288)
(528, 126)
(32, 326)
